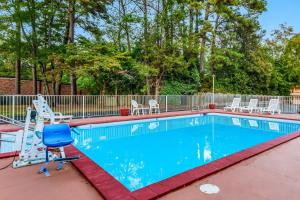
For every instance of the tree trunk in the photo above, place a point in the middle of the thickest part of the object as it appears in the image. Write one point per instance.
(44, 79)
(165, 24)
(158, 82)
(53, 82)
(213, 45)
(119, 27)
(203, 38)
(171, 24)
(18, 50)
(148, 85)
(157, 86)
(71, 32)
(145, 23)
(103, 91)
(126, 27)
(196, 35)
(191, 27)
(34, 52)
(58, 82)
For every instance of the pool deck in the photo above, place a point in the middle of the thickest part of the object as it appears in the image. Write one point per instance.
(269, 175)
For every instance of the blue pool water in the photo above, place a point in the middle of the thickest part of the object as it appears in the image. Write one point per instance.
(139, 153)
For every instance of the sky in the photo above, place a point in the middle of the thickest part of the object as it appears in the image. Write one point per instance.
(279, 12)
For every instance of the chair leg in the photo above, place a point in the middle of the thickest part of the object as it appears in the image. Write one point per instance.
(43, 169)
(61, 155)
(59, 165)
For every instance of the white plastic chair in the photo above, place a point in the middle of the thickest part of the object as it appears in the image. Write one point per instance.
(135, 107)
(153, 105)
(252, 106)
(235, 105)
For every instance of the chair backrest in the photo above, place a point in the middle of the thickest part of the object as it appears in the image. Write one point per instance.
(152, 103)
(134, 104)
(273, 104)
(236, 102)
(253, 103)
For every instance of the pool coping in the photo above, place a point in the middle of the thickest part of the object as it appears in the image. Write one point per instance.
(112, 189)
(109, 188)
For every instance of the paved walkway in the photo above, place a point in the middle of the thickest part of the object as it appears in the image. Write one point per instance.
(27, 184)
(272, 175)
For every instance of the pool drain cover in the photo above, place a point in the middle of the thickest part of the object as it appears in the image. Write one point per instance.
(209, 189)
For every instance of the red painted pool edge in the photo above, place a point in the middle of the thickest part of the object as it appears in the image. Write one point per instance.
(111, 189)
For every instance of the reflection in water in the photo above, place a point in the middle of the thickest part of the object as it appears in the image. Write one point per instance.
(141, 153)
(134, 128)
(207, 151)
(236, 122)
(198, 151)
(274, 126)
(103, 137)
(194, 122)
(153, 125)
(253, 123)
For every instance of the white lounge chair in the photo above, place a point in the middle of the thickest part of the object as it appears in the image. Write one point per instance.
(136, 108)
(235, 105)
(153, 105)
(272, 108)
(59, 117)
(252, 106)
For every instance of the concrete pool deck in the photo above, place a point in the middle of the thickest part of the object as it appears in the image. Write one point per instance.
(272, 175)
(248, 181)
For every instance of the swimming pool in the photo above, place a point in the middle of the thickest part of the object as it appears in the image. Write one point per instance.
(140, 153)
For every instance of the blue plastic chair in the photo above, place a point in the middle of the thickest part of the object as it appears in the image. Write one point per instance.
(56, 135)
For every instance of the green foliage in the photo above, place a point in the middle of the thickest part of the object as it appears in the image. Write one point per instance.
(149, 47)
(178, 88)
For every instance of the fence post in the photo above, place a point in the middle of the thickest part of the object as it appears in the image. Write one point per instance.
(83, 102)
(166, 103)
(13, 107)
(192, 106)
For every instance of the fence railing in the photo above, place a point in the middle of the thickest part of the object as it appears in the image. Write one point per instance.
(15, 106)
